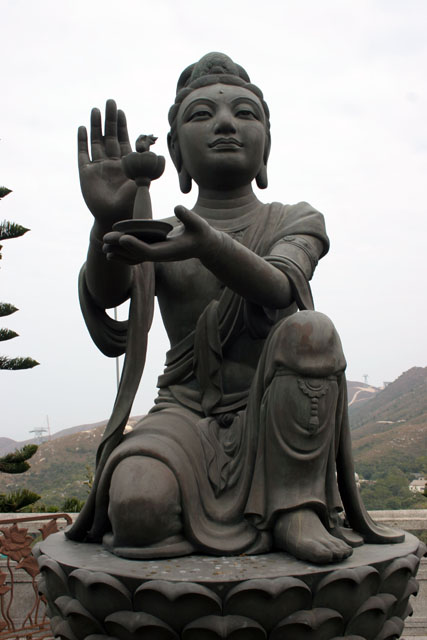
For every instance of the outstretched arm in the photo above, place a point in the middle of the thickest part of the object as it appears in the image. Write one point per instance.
(237, 267)
(109, 195)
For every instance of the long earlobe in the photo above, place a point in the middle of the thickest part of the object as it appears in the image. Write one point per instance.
(184, 180)
(261, 179)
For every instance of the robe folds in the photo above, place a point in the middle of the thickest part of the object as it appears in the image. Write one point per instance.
(239, 458)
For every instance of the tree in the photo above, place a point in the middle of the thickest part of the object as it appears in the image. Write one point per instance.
(17, 462)
(17, 500)
(11, 230)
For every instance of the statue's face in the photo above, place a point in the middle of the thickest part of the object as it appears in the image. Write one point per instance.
(222, 136)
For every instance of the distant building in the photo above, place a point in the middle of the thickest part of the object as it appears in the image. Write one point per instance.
(418, 485)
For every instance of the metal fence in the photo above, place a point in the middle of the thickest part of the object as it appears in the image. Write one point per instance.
(23, 611)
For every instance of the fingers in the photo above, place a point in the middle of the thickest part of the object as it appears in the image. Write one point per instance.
(157, 252)
(108, 145)
(124, 248)
(122, 133)
(112, 147)
(112, 237)
(82, 148)
(96, 138)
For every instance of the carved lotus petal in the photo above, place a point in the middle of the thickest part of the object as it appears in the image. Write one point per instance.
(224, 628)
(268, 601)
(347, 589)
(391, 630)
(99, 593)
(401, 607)
(131, 625)
(421, 551)
(61, 629)
(82, 623)
(317, 624)
(143, 164)
(397, 575)
(370, 618)
(53, 583)
(177, 603)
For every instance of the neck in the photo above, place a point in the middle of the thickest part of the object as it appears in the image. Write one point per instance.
(225, 204)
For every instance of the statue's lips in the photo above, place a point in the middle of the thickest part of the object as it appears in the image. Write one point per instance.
(225, 143)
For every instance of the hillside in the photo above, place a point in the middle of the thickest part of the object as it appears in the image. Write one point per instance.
(61, 466)
(389, 429)
(8, 445)
(360, 392)
(403, 400)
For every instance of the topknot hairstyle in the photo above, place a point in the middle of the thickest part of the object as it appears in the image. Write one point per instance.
(213, 68)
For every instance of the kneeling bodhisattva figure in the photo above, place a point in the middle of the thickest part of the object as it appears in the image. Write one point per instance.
(247, 448)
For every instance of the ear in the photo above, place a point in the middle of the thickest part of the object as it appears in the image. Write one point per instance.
(262, 179)
(183, 175)
(174, 153)
(184, 180)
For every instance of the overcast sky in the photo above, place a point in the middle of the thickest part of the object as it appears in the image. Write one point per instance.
(346, 85)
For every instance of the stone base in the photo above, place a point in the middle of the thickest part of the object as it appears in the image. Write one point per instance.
(93, 594)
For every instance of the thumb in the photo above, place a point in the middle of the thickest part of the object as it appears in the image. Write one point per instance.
(190, 219)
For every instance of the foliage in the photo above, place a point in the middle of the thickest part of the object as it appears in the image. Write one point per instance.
(10, 230)
(390, 491)
(6, 309)
(72, 505)
(17, 500)
(89, 478)
(16, 462)
(406, 463)
(7, 334)
(41, 507)
(69, 505)
(4, 191)
(14, 364)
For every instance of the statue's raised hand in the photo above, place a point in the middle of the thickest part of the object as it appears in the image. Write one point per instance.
(108, 193)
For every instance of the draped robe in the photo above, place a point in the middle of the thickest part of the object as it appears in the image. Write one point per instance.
(219, 444)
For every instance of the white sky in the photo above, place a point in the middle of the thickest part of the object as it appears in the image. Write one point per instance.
(346, 85)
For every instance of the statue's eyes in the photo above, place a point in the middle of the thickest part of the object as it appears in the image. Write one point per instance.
(247, 114)
(200, 114)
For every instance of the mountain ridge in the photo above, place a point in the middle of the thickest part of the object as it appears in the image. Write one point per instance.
(388, 427)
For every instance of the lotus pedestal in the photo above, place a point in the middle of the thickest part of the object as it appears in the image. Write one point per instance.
(95, 595)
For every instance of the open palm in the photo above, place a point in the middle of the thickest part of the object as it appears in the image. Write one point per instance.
(108, 193)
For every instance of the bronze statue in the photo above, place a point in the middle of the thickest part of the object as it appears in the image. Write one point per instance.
(247, 448)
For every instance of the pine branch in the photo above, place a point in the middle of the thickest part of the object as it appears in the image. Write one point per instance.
(16, 462)
(13, 364)
(10, 230)
(4, 191)
(7, 334)
(17, 500)
(7, 309)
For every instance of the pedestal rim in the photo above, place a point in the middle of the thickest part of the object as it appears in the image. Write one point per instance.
(213, 569)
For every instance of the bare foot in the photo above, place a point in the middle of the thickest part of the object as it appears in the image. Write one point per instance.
(302, 534)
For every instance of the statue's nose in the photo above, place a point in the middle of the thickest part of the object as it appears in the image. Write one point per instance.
(225, 122)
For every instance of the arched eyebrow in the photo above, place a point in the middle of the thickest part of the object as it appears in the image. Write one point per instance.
(198, 101)
(253, 103)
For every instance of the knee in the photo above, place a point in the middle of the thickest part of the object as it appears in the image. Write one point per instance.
(144, 504)
(308, 343)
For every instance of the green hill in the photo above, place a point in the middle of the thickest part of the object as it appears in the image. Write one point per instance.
(389, 431)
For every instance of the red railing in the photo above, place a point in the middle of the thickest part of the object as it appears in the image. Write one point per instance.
(22, 608)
